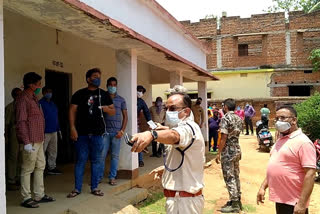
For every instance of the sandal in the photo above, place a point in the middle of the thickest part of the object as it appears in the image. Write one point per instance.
(113, 182)
(30, 203)
(97, 192)
(73, 194)
(45, 199)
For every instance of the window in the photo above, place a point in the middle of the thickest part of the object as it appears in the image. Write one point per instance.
(299, 90)
(243, 50)
(307, 71)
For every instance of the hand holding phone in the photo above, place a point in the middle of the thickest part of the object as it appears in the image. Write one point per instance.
(128, 141)
(152, 125)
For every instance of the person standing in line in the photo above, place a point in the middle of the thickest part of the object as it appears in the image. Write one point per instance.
(30, 132)
(142, 106)
(52, 130)
(198, 112)
(158, 114)
(265, 111)
(116, 126)
(249, 113)
(213, 122)
(240, 113)
(292, 166)
(12, 145)
(230, 154)
(87, 129)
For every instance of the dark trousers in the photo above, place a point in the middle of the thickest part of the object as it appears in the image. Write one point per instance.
(248, 122)
(286, 209)
(156, 151)
(213, 134)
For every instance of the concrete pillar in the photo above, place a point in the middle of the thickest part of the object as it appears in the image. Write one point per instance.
(288, 47)
(127, 88)
(202, 92)
(2, 153)
(235, 56)
(176, 78)
(219, 56)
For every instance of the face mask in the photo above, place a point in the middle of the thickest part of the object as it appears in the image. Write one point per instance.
(238, 108)
(282, 126)
(158, 104)
(96, 82)
(198, 103)
(48, 95)
(172, 118)
(112, 90)
(139, 94)
(37, 91)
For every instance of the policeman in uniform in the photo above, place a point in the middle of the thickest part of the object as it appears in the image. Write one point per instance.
(230, 155)
(182, 178)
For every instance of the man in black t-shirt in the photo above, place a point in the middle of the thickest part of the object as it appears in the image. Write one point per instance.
(86, 115)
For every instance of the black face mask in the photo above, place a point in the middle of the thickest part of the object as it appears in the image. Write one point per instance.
(198, 103)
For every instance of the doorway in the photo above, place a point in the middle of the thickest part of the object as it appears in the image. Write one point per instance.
(61, 85)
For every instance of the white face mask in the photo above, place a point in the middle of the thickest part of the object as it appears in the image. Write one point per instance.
(139, 94)
(282, 126)
(172, 118)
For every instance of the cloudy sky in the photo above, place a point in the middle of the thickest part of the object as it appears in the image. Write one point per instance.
(197, 9)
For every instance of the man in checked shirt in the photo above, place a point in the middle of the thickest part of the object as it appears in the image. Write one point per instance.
(30, 133)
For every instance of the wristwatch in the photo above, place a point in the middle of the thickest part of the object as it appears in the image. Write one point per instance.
(154, 134)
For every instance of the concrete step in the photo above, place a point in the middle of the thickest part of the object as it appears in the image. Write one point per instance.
(134, 195)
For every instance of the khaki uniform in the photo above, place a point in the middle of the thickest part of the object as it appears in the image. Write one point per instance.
(189, 177)
(198, 114)
(231, 124)
(157, 118)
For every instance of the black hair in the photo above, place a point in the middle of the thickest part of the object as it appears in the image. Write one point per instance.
(14, 92)
(45, 89)
(140, 87)
(112, 79)
(265, 105)
(92, 71)
(30, 78)
(290, 108)
(199, 98)
(230, 103)
(186, 99)
(158, 98)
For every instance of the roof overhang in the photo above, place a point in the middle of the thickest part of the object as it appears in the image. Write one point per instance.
(84, 21)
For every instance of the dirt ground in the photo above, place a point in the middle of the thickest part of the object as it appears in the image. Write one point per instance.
(252, 172)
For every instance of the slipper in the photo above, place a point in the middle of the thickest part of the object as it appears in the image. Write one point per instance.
(113, 182)
(30, 203)
(73, 194)
(45, 199)
(97, 192)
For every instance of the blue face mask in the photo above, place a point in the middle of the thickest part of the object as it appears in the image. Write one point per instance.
(112, 89)
(238, 108)
(96, 82)
(48, 95)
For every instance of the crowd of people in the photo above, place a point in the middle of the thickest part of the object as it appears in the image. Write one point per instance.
(98, 119)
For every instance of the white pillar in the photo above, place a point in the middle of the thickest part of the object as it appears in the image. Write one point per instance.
(176, 78)
(202, 92)
(288, 47)
(2, 153)
(219, 55)
(127, 88)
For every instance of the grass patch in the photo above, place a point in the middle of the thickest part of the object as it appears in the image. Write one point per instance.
(208, 211)
(211, 201)
(154, 204)
(249, 208)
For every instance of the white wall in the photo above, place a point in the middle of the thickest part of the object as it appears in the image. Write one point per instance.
(152, 24)
(31, 46)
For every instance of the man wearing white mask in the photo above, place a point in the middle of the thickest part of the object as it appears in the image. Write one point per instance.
(182, 178)
(291, 168)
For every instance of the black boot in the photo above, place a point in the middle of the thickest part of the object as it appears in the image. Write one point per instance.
(233, 208)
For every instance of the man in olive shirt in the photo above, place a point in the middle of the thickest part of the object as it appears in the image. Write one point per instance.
(198, 112)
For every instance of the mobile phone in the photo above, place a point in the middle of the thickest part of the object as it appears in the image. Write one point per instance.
(128, 139)
(152, 125)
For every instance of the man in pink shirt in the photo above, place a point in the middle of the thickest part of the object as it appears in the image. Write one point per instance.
(291, 168)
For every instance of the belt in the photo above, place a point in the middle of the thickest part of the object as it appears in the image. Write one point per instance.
(172, 193)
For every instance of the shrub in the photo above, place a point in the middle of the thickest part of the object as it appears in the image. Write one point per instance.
(309, 116)
(315, 59)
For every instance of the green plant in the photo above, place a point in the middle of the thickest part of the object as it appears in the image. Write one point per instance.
(309, 116)
(248, 208)
(315, 59)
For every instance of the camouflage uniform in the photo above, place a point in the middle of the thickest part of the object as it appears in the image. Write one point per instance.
(231, 124)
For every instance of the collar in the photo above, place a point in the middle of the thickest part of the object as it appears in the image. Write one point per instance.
(293, 134)
(32, 96)
(229, 112)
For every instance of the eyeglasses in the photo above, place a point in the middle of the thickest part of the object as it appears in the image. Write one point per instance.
(173, 108)
(281, 118)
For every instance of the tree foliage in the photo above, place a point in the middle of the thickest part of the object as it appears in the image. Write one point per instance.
(291, 5)
(309, 116)
(315, 59)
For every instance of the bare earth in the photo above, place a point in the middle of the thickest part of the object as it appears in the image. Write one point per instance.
(252, 172)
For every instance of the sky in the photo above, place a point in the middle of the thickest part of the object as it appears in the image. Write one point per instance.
(197, 9)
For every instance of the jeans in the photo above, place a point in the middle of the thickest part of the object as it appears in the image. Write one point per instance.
(110, 141)
(213, 134)
(140, 156)
(248, 122)
(88, 145)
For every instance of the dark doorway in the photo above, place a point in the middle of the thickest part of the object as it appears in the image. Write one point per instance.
(299, 90)
(60, 83)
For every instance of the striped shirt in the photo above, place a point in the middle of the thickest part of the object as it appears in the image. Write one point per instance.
(114, 123)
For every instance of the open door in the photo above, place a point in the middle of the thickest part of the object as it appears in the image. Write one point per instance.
(60, 83)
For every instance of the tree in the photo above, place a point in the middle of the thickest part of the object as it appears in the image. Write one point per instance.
(292, 5)
(315, 59)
